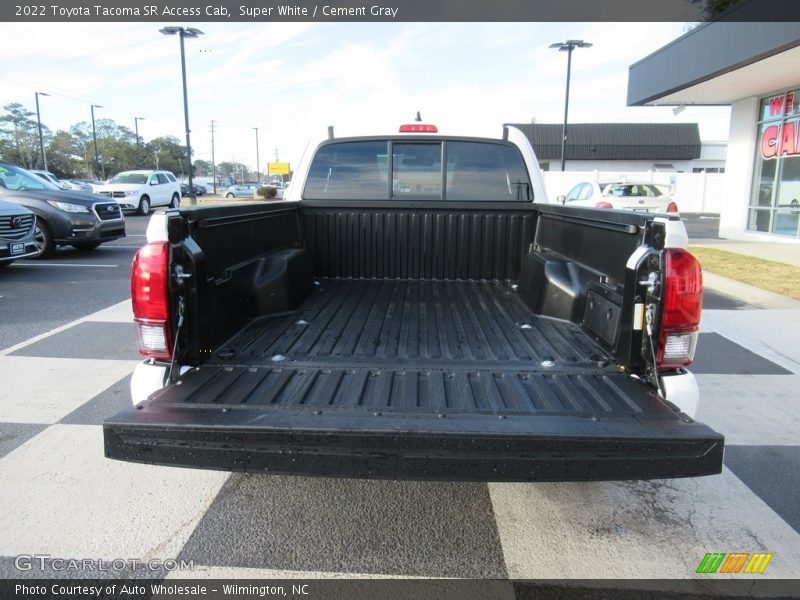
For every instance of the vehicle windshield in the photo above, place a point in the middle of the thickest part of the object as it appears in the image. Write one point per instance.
(135, 178)
(632, 189)
(14, 178)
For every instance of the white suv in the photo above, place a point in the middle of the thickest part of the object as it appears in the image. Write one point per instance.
(140, 190)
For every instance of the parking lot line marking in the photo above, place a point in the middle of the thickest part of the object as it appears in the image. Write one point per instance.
(39, 337)
(59, 329)
(40, 264)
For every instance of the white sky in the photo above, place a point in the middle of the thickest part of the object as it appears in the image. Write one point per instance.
(292, 80)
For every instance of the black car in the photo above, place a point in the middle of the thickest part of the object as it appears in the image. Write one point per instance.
(199, 190)
(63, 217)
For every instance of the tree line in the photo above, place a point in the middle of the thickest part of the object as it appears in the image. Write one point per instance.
(71, 154)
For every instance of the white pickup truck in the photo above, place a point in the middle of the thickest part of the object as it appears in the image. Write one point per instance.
(415, 308)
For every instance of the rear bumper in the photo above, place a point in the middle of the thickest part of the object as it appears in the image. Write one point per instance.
(465, 448)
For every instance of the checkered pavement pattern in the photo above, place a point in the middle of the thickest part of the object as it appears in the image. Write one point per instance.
(62, 498)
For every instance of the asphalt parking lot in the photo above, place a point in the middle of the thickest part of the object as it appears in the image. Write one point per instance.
(38, 296)
(67, 347)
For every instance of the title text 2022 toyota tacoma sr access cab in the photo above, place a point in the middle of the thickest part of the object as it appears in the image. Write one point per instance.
(415, 309)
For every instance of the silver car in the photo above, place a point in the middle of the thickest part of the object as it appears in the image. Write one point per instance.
(245, 190)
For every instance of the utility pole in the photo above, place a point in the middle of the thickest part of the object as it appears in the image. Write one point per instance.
(213, 161)
(567, 47)
(94, 136)
(184, 32)
(258, 162)
(136, 125)
(39, 122)
(276, 155)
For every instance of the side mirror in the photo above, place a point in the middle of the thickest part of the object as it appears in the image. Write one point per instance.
(562, 199)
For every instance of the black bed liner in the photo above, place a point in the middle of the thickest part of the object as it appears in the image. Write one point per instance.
(460, 324)
(470, 347)
(417, 379)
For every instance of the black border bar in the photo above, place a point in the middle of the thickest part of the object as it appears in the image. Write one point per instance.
(276, 11)
(701, 588)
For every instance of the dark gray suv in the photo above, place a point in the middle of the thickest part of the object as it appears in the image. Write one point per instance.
(63, 217)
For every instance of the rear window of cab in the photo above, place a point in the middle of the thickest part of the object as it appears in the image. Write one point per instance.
(418, 170)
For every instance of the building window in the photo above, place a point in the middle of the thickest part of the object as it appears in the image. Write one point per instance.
(775, 197)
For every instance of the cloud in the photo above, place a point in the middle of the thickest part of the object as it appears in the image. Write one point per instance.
(293, 79)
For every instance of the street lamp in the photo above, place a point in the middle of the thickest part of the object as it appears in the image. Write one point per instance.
(567, 47)
(258, 163)
(39, 122)
(184, 32)
(136, 126)
(94, 136)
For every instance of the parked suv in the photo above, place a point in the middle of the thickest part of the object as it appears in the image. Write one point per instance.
(140, 190)
(62, 217)
(16, 233)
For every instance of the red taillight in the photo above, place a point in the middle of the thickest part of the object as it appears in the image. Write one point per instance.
(672, 207)
(603, 204)
(418, 128)
(149, 276)
(683, 303)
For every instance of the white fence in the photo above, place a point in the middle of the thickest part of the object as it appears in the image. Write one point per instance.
(693, 192)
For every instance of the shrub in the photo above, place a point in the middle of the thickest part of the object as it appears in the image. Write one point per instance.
(267, 192)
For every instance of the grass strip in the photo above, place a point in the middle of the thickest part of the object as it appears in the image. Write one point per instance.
(777, 277)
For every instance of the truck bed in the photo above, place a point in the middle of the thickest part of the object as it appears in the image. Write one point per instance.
(412, 378)
(412, 346)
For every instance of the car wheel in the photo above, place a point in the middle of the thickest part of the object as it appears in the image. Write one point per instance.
(3, 265)
(175, 202)
(86, 245)
(44, 239)
(144, 206)
(229, 196)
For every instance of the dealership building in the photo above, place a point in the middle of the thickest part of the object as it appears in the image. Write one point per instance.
(754, 68)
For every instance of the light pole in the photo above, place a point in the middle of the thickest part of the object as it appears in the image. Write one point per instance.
(213, 160)
(39, 122)
(258, 163)
(567, 47)
(184, 32)
(136, 125)
(94, 136)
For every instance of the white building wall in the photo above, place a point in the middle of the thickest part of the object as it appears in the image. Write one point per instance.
(715, 151)
(739, 171)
